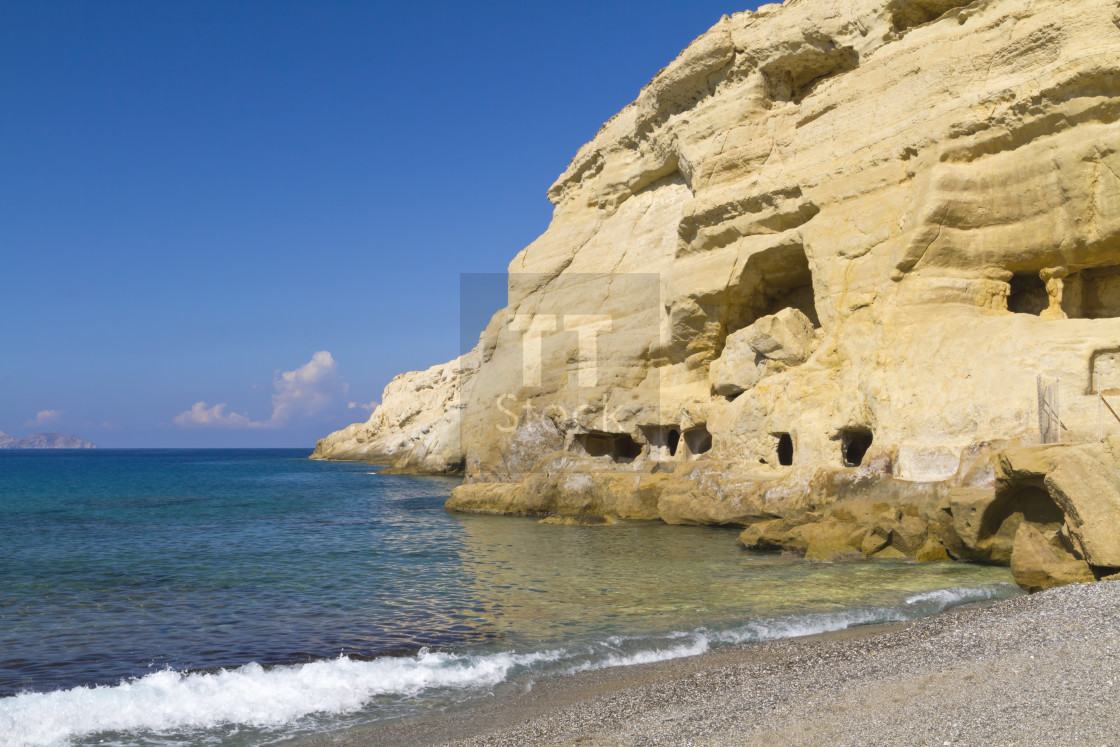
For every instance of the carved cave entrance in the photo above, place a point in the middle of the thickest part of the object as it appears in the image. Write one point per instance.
(620, 447)
(664, 441)
(785, 449)
(854, 443)
(698, 440)
(1028, 294)
(1091, 293)
(773, 279)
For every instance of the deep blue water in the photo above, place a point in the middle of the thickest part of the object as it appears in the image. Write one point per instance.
(181, 596)
(120, 562)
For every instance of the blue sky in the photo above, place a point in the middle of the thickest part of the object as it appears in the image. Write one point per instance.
(267, 206)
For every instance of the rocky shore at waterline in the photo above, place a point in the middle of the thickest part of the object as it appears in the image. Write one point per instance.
(1037, 669)
(840, 275)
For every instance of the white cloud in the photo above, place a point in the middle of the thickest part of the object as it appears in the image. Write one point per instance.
(213, 417)
(45, 417)
(367, 406)
(309, 390)
(303, 393)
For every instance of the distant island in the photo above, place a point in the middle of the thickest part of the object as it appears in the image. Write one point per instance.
(45, 441)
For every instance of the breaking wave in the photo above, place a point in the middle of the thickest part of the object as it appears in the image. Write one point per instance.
(172, 702)
(943, 598)
(249, 695)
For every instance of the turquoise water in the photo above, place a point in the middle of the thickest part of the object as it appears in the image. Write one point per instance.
(184, 597)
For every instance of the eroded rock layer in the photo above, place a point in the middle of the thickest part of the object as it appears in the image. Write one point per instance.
(807, 283)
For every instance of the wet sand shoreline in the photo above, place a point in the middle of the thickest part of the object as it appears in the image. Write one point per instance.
(1041, 669)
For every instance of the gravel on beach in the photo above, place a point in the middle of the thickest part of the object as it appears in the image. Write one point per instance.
(1039, 669)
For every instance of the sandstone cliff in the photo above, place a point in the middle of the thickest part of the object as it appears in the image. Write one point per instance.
(806, 284)
(416, 427)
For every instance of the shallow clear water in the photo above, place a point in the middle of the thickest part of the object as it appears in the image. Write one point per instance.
(247, 596)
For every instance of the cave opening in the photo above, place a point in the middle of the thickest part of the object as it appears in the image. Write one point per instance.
(1027, 294)
(854, 443)
(698, 440)
(620, 447)
(773, 279)
(908, 14)
(664, 441)
(785, 449)
(1092, 293)
(793, 76)
(1021, 503)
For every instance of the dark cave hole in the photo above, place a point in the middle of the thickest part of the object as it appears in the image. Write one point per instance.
(785, 449)
(698, 440)
(1028, 294)
(620, 447)
(854, 444)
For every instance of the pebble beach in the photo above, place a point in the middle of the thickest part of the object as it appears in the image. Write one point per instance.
(1039, 669)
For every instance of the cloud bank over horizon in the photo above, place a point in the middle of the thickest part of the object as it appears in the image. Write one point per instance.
(304, 393)
(44, 417)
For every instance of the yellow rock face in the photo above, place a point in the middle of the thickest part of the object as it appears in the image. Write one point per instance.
(415, 428)
(932, 185)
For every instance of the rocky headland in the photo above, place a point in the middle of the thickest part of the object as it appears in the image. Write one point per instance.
(45, 441)
(845, 274)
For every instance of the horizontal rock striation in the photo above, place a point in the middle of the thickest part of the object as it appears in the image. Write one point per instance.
(807, 282)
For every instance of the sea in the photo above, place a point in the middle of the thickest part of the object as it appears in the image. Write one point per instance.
(246, 597)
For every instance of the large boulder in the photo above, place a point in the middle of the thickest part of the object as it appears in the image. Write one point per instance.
(737, 369)
(1040, 563)
(1085, 483)
(786, 337)
(771, 344)
(969, 506)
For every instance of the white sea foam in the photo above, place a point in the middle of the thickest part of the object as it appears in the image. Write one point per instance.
(771, 629)
(794, 626)
(700, 643)
(943, 598)
(250, 695)
(803, 625)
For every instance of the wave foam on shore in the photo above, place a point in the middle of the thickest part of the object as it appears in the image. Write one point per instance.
(254, 696)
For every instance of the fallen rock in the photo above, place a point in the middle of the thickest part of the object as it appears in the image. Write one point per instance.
(786, 337)
(875, 540)
(775, 534)
(828, 541)
(737, 369)
(968, 506)
(1087, 488)
(931, 551)
(1036, 564)
(909, 535)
